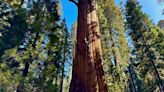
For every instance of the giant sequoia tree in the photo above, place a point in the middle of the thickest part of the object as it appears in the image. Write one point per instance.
(35, 48)
(88, 74)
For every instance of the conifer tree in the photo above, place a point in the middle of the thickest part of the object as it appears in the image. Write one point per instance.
(141, 29)
(115, 48)
(36, 59)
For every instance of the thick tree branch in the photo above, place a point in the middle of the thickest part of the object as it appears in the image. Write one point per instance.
(76, 3)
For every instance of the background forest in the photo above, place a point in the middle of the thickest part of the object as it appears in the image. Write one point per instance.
(37, 48)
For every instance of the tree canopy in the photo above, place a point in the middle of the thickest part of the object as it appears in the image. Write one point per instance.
(110, 48)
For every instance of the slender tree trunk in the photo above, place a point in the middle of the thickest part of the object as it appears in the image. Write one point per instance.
(88, 74)
(133, 85)
(20, 87)
(62, 78)
(63, 64)
(152, 61)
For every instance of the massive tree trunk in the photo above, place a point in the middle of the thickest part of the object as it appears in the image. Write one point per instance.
(88, 74)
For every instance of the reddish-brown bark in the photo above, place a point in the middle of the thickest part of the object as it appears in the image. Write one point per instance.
(88, 74)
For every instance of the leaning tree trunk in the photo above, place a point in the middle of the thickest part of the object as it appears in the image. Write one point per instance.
(88, 74)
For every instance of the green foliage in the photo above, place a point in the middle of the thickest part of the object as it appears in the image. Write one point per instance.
(36, 47)
(14, 35)
(143, 34)
(32, 48)
(5, 16)
(115, 48)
